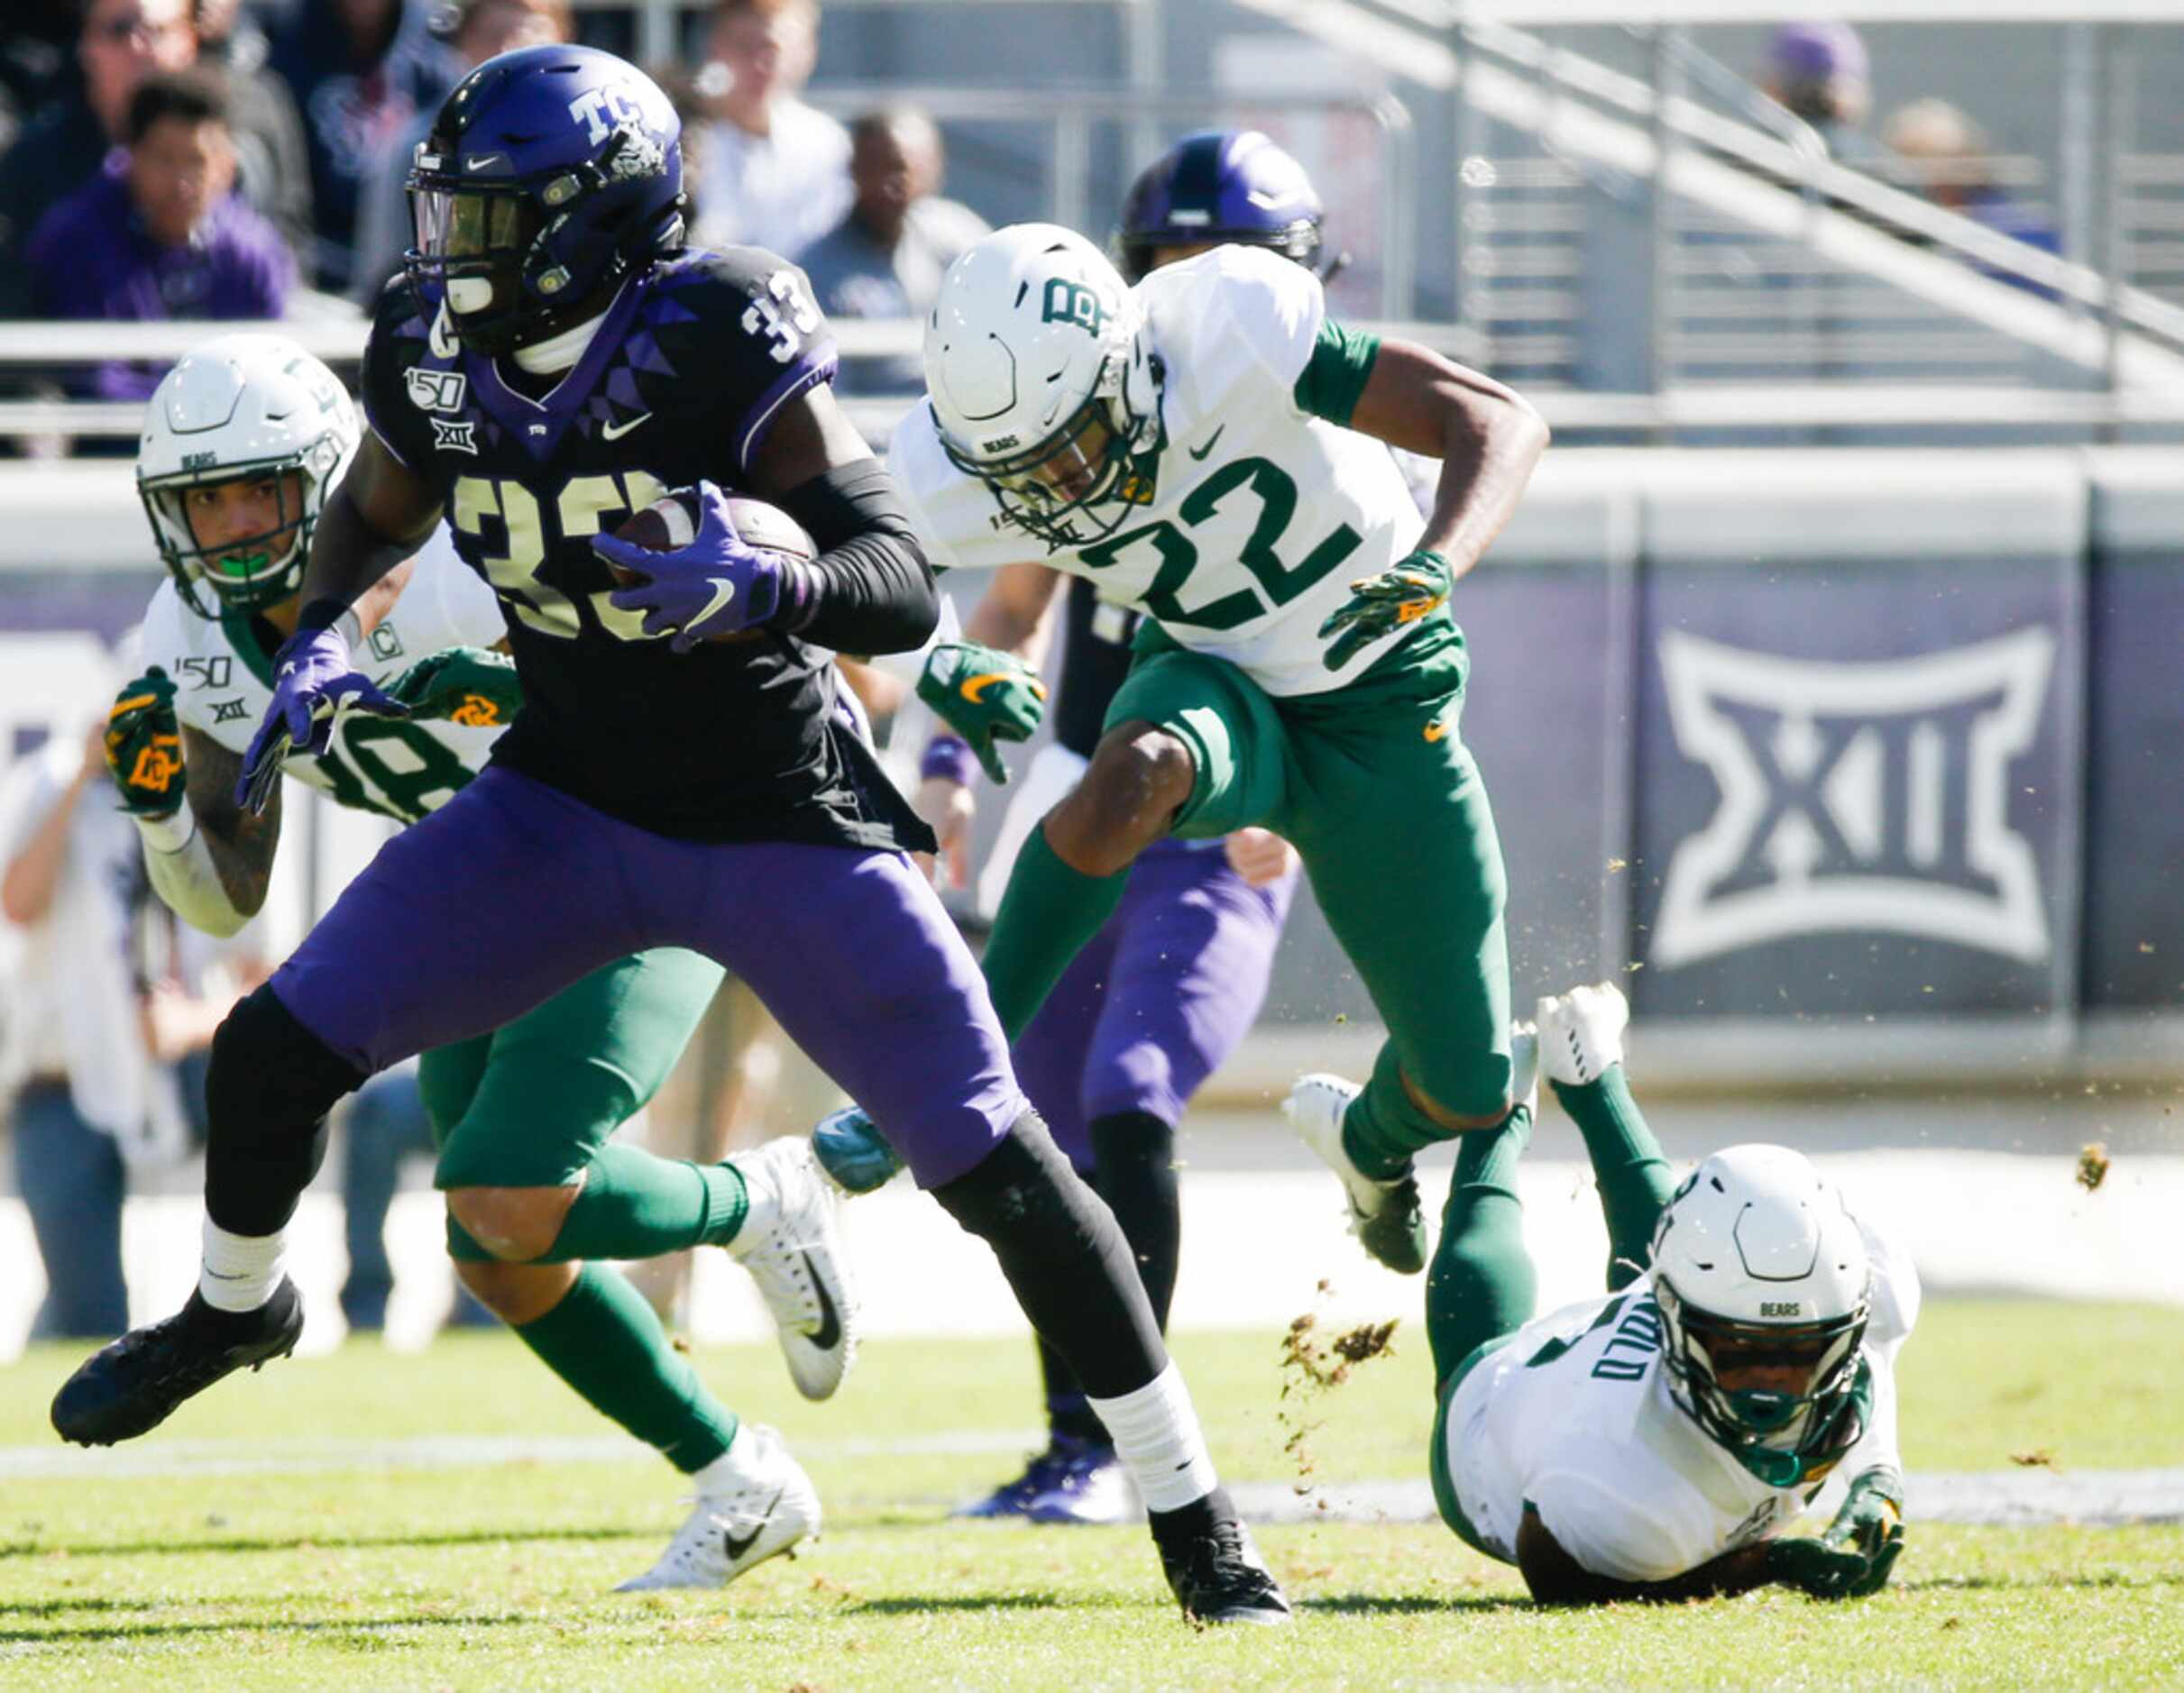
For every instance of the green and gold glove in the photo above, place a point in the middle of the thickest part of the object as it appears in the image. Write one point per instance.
(1380, 605)
(462, 684)
(984, 695)
(144, 746)
(1853, 1558)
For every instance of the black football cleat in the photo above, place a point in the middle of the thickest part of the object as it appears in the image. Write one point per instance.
(132, 1386)
(1218, 1577)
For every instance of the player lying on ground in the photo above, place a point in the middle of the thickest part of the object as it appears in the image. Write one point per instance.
(1656, 1443)
(558, 359)
(242, 442)
(1209, 448)
(1173, 981)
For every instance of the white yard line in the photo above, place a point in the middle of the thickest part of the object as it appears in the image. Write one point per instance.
(2016, 1498)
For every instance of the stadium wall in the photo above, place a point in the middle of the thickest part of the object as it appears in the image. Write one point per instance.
(1857, 766)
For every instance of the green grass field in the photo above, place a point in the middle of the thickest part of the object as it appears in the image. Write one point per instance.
(496, 1575)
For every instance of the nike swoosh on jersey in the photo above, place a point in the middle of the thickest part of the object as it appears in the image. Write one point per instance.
(735, 1545)
(616, 431)
(488, 161)
(1199, 453)
(827, 1334)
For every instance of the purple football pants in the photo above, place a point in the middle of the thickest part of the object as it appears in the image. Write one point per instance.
(1158, 998)
(512, 890)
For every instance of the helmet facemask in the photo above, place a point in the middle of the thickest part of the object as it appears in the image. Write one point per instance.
(1079, 484)
(495, 248)
(1783, 1437)
(246, 574)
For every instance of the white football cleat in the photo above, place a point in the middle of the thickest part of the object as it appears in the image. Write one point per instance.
(791, 1242)
(752, 1501)
(1384, 1216)
(1581, 1033)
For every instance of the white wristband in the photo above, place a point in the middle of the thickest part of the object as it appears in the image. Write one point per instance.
(169, 834)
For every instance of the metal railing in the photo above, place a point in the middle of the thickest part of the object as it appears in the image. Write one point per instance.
(1073, 115)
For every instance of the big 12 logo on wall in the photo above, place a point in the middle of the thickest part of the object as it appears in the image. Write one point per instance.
(1854, 799)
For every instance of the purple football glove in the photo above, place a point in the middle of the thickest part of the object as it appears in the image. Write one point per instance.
(312, 680)
(716, 585)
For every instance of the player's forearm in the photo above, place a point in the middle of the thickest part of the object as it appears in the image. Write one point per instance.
(179, 865)
(870, 590)
(1491, 442)
(1734, 1572)
(354, 564)
(212, 862)
(1011, 615)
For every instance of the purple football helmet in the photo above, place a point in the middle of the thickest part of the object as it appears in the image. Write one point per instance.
(1217, 187)
(550, 174)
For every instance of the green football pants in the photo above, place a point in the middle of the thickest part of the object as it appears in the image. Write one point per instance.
(530, 1104)
(1373, 786)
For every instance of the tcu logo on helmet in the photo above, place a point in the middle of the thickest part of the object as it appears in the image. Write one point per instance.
(602, 109)
(1068, 302)
(1855, 796)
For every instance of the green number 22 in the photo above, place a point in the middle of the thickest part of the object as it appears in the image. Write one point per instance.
(1276, 492)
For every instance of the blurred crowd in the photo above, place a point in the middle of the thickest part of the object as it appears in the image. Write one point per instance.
(246, 159)
(240, 159)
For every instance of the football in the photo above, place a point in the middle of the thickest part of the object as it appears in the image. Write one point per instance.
(671, 521)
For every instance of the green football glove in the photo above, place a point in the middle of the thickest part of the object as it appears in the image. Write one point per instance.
(984, 695)
(462, 684)
(1853, 1558)
(144, 746)
(1381, 605)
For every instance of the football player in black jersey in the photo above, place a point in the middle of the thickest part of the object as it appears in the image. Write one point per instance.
(557, 360)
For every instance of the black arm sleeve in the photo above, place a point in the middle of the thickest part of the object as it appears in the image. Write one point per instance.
(870, 590)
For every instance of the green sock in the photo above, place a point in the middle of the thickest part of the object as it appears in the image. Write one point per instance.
(1632, 1174)
(636, 1206)
(1384, 1130)
(606, 1343)
(1481, 1282)
(1047, 915)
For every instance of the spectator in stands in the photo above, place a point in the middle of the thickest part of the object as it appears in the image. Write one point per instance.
(362, 70)
(158, 234)
(120, 43)
(886, 257)
(109, 998)
(1948, 158)
(477, 29)
(775, 173)
(1817, 71)
(272, 164)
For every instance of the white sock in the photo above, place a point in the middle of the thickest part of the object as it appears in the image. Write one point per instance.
(1156, 1433)
(240, 1271)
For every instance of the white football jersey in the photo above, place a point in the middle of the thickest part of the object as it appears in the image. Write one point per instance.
(1262, 514)
(1573, 1417)
(224, 681)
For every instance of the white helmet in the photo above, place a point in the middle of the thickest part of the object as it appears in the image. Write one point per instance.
(1756, 1261)
(1042, 383)
(239, 406)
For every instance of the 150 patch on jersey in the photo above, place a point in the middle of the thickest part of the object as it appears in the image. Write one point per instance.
(437, 390)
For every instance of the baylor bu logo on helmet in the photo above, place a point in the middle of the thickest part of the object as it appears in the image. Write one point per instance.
(1068, 302)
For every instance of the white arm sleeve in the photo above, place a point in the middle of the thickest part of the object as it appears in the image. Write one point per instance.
(185, 876)
(1897, 1296)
